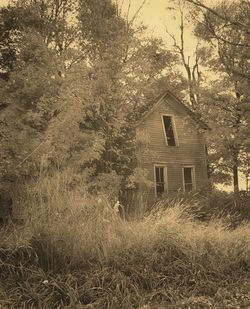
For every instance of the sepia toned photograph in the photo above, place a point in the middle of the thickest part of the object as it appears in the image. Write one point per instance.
(124, 154)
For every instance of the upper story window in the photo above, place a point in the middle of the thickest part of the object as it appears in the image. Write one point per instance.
(169, 130)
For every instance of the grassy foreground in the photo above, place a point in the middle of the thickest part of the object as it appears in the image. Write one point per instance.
(76, 252)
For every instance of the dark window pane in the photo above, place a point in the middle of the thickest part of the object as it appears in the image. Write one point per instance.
(168, 125)
(157, 174)
(159, 177)
(188, 174)
(188, 178)
(188, 187)
(159, 188)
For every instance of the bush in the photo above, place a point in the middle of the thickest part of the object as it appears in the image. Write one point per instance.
(232, 209)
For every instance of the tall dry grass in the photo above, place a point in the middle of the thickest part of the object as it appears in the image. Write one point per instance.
(68, 226)
(82, 252)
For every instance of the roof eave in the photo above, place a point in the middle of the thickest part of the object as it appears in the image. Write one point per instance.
(202, 124)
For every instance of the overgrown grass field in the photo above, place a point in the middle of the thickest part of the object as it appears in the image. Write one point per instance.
(75, 251)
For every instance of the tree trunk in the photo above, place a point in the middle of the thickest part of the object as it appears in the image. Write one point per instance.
(235, 178)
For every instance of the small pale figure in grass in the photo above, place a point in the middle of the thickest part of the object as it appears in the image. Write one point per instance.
(117, 206)
(99, 201)
(119, 209)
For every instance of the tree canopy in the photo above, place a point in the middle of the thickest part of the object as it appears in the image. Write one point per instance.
(72, 79)
(74, 76)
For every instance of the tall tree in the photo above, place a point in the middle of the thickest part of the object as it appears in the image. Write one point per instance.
(225, 26)
(191, 64)
(73, 101)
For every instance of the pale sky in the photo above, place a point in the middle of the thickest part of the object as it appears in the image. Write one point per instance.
(3, 2)
(157, 16)
(154, 14)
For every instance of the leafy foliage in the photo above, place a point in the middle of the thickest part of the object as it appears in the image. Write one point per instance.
(72, 82)
(224, 53)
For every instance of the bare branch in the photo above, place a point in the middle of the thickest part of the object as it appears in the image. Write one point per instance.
(220, 38)
(216, 13)
(137, 12)
(192, 81)
(121, 6)
(127, 14)
(173, 38)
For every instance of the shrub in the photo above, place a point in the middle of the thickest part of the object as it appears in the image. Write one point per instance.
(232, 209)
(235, 208)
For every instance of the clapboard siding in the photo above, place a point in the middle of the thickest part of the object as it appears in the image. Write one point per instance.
(154, 150)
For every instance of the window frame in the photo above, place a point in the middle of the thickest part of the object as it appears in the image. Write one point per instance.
(165, 177)
(193, 177)
(174, 130)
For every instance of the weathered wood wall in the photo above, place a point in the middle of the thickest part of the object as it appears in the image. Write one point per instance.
(153, 150)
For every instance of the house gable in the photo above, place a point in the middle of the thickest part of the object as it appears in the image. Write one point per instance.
(187, 131)
(170, 99)
(173, 161)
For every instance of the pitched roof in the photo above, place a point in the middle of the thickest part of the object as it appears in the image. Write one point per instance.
(178, 102)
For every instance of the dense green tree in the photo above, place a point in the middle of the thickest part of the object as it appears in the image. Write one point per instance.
(69, 93)
(224, 26)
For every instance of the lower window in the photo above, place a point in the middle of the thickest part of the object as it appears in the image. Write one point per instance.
(160, 180)
(188, 178)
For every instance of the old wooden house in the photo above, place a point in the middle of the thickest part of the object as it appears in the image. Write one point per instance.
(171, 149)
